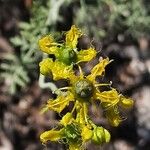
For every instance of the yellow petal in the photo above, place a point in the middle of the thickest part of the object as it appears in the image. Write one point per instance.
(51, 135)
(60, 102)
(98, 69)
(86, 134)
(100, 135)
(126, 102)
(67, 119)
(57, 68)
(72, 37)
(109, 101)
(86, 55)
(112, 114)
(48, 45)
(45, 66)
(110, 98)
(74, 146)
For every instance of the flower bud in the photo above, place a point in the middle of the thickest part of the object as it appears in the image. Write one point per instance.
(72, 133)
(45, 67)
(67, 119)
(86, 133)
(67, 55)
(100, 135)
(126, 102)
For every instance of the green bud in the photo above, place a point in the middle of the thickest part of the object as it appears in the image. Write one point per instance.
(100, 135)
(67, 55)
(72, 133)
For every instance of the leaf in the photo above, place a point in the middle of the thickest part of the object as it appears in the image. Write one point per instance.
(25, 26)
(16, 41)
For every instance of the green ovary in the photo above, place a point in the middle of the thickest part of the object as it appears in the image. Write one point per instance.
(67, 56)
(84, 89)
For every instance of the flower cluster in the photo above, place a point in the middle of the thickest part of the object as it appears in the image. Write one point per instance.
(76, 128)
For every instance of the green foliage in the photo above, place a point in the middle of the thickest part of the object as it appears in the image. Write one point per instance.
(14, 73)
(19, 67)
(105, 17)
(99, 18)
(87, 16)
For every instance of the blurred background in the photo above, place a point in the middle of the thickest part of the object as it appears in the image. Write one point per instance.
(119, 29)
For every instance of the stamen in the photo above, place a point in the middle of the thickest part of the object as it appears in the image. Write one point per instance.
(59, 91)
(65, 88)
(74, 107)
(103, 84)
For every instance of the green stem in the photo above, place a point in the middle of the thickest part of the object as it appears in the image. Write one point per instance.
(45, 85)
(85, 112)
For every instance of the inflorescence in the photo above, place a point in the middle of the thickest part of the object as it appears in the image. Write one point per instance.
(76, 127)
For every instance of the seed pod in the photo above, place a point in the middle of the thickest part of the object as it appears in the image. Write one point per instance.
(100, 135)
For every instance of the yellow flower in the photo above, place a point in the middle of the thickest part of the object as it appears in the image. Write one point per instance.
(110, 101)
(84, 89)
(57, 69)
(67, 52)
(81, 91)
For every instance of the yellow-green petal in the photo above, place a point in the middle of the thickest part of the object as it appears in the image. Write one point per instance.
(109, 101)
(86, 55)
(60, 102)
(57, 69)
(126, 102)
(86, 134)
(51, 135)
(48, 45)
(72, 37)
(110, 98)
(113, 116)
(67, 119)
(100, 135)
(98, 70)
(75, 146)
(45, 66)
